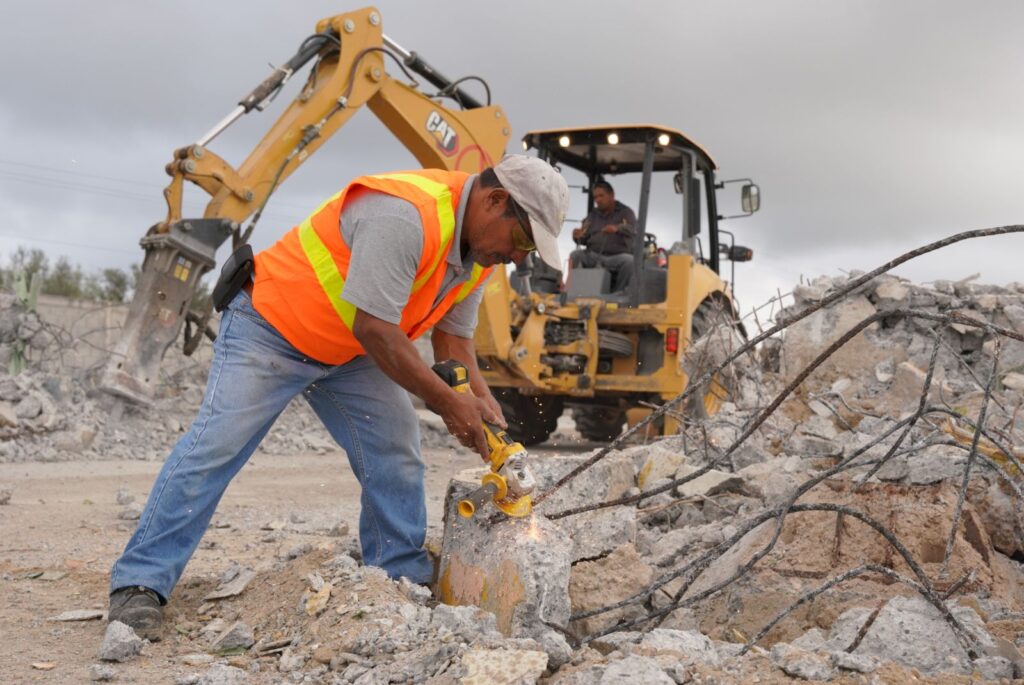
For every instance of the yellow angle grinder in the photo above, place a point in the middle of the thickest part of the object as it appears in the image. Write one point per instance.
(510, 481)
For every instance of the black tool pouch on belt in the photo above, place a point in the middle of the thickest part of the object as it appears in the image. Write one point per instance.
(235, 273)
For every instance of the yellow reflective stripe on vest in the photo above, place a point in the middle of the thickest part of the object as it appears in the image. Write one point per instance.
(442, 195)
(467, 287)
(326, 271)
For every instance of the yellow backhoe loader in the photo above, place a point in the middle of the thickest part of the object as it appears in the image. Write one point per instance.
(611, 356)
(349, 70)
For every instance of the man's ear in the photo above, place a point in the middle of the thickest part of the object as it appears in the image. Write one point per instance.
(496, 198)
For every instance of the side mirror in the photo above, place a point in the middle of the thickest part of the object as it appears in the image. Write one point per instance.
(750, 198)
(738, 253)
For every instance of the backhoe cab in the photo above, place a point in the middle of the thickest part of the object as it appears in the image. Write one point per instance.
(546, 342)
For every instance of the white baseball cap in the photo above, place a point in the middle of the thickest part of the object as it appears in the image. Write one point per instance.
(539, 189)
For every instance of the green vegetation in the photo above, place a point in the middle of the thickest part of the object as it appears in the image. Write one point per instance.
(66, 279)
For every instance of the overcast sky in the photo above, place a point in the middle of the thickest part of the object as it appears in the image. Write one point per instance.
(871, 126)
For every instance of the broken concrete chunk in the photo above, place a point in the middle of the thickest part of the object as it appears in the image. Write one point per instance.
(635, 670)
(609, 479)
(29, 407)
(132, 512)
(419, 594)
(8, 418)
(661, 462)
(290, 661)
(891, 294)
(811, 641)
(937, 463)
(236, 636)
(101, 673)
(904, 392)
(120, 643)
(465, 622)
(595, 584)
(999, 513)
(806, 339)
(911, 632)
(861, 663)
(223, 674)
(993, 668)
(234, 587)
(5, 495)
(489, 666)
(597, 533)
(801, 664)
(708, 484)
(124, 497)
(317, 602)
(687, 646)
(847, 627)
(517, 569)
(79, 615)
(1014, 381)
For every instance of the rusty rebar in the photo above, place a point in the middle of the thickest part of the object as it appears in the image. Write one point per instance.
(962, 494)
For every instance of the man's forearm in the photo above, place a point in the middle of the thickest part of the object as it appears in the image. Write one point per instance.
(398, 359)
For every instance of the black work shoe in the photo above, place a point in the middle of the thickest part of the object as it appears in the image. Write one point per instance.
(138, 608)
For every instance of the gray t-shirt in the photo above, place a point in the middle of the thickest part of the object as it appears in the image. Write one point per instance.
(385, 235)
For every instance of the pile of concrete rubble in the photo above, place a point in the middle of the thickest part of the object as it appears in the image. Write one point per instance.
(890, 566)
(53, 410)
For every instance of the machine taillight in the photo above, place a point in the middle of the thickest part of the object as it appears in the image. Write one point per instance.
(672, 340)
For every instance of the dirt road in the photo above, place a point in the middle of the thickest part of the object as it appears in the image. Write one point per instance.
(61, 532)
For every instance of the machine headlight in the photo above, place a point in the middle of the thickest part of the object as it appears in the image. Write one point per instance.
(564, 141)
(613, 138)
(663, 139)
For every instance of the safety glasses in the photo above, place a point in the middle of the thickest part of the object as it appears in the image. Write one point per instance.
(522, 236)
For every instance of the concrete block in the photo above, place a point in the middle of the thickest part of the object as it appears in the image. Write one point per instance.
(609, 479)
(710, 483)
(518, 569)
(596, 534)
(911, 632)
(806, 339)
(635, 670)
(687, 646)
(661, 462)
(598, 583)
(801, 664)
(120, 643)
(490, 666)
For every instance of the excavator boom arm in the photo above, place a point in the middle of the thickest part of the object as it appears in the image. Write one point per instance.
(349, 72)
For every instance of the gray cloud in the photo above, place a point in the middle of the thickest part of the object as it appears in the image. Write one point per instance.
(871, 126)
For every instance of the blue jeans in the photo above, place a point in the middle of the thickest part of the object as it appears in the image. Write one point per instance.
(254, 374)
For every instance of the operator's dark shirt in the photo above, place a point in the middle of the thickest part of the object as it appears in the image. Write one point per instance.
(595, 239)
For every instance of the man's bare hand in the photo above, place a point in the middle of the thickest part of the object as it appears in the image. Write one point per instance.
(610, 228)
(577, 233)
(463, 415)
(494, 414)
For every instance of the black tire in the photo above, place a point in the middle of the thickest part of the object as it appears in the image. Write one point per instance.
(612, 344)
(531, 418)
(599, 424)
(711, 318)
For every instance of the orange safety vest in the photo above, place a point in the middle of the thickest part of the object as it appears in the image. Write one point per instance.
(300, 279)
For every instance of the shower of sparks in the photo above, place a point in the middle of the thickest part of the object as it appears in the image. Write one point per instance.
(533, 532)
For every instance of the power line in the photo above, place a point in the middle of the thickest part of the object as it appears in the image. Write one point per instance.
(82, 174)
(69, 244)
(110, 192)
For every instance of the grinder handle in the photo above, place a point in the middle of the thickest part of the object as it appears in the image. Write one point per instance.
(456, 375)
